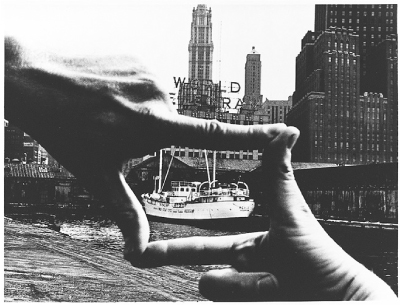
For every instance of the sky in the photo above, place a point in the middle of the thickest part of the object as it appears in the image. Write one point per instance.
(158, 33)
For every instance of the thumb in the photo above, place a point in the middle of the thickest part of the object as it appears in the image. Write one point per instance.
(277, 155)
(229, 285)
(124, 207)
(284, 198)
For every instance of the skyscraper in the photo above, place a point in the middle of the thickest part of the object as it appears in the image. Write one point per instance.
(200, 97)
(326, 100)
(252, 78)
(337, 124)
(201, 45)
(373, 23)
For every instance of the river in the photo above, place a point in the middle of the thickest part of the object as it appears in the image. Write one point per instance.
(376, 249)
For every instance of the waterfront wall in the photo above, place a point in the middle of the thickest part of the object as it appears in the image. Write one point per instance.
(357, 193)
(356, 205)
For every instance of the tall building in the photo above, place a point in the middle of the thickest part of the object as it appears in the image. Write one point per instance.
(252, 80)
(337, 124)
(373, 23)
(200, 93)
(352, 51)
(201, 45)
(200, 97)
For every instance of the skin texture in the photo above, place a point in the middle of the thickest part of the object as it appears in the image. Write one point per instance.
(92, 114)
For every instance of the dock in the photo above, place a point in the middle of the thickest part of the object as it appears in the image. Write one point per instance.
(358, 224)
(42, 265)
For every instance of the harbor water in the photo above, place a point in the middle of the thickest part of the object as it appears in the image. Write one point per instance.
(377, 249)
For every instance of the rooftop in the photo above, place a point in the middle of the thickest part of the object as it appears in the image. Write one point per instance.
(36, 171)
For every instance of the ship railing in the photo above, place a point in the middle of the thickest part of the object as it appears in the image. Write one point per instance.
(225, 192)
(175, 184)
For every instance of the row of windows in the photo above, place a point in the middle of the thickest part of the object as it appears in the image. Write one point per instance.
(342, 60)
(357, 20)
(352, 157)
(357, 6)
(342, 46)
(220, 155)
(372, 13)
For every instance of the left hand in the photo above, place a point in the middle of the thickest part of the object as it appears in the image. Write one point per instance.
(93, 114)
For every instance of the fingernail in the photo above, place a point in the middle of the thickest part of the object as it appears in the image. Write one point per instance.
(291, 141)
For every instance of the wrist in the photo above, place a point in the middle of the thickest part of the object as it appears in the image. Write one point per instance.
(365, 285)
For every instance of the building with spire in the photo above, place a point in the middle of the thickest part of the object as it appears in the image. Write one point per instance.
(199, 93)
(200, 97)
(201, 45)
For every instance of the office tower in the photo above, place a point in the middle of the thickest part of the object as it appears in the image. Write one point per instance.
(338, 125)
(201, 44)
(326, 101)
(353, 50)
(252, 81)
(373, 23)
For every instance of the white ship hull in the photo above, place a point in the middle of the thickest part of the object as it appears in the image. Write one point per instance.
(199, 211)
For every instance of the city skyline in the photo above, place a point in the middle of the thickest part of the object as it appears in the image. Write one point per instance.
(104, 27)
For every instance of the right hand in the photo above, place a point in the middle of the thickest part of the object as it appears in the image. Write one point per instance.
(294, 260)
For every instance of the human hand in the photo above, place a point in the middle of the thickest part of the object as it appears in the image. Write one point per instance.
(294, 260)
(92, 114)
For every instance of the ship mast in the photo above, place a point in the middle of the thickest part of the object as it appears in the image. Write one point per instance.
(160, 172)
(214, 165)
(217, 110)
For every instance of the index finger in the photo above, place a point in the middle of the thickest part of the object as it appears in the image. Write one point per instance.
(214, 135)
(196, 250)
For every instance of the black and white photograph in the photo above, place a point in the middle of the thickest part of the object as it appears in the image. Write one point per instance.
(194, 151)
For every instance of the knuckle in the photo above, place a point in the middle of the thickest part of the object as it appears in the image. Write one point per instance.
(213, 126)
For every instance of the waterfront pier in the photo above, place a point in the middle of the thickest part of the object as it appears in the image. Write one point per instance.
(43, 265)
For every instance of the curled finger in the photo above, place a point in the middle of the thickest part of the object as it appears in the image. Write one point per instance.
(229, 285)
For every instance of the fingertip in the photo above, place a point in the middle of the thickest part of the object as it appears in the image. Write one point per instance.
(268, 287)
(294, 134)
(229, 285)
